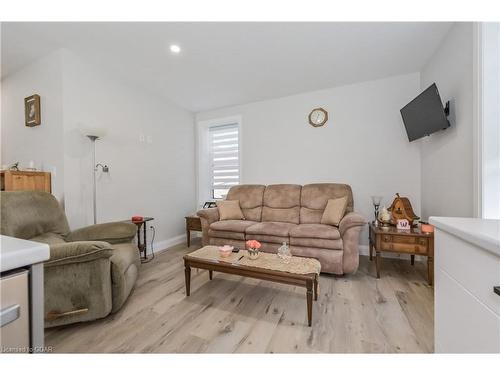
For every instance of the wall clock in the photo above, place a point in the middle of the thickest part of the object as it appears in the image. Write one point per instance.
(318, 117)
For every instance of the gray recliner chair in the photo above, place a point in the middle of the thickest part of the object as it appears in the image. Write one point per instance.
(91, 271)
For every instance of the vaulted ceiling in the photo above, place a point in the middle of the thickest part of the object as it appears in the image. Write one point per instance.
(222, 64)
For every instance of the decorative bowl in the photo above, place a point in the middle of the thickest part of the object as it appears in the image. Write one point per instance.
(253, 253)
(225, 251)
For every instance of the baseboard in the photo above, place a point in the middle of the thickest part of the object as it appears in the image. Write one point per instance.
(161, 246)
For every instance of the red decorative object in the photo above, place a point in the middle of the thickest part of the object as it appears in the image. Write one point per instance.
(137, 218)
(253, 244)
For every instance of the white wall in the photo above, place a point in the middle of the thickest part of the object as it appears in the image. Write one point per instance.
(364, 143)
(151, 179)
(447, 158)
(41, 144)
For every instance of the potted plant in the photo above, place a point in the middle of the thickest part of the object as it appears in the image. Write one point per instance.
(253, 247)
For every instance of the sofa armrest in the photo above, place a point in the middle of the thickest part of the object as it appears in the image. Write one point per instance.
(209, 214)
(115, 232)
(350, 220)
(350, 227)
(78, 251)
(207, 217)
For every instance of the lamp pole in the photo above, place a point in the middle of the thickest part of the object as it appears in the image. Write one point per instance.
(93, 138)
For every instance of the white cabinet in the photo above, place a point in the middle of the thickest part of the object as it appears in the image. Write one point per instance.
(467, 268)
(14, 312)
(21, 291)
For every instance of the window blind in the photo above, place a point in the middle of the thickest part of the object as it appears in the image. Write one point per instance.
(224, 158)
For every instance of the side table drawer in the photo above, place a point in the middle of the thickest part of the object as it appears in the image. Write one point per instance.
(403, 247)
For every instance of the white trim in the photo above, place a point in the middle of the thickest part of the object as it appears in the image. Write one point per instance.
(202, 150)
(161, 246)
(477, 126)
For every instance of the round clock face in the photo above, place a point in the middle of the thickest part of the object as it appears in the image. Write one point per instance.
(318, 117)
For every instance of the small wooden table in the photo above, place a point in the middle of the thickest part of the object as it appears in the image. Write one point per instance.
(193, 222)
(142, 244)
(207, 258)
(413, 242)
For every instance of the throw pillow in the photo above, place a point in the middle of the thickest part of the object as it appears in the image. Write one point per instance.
(230, 210)
(334, 211)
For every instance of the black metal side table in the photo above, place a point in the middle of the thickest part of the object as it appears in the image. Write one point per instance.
(142, 244)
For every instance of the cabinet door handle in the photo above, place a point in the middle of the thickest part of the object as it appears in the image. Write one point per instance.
(496, 289)
(9, 314)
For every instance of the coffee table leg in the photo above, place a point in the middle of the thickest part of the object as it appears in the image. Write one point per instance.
(309, 295)
(316, 288)
(377, 263)
(187, 274)
(210, 274)
(412, 260)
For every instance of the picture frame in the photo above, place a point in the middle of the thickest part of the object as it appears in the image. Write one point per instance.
(210, 205)
(32, 111)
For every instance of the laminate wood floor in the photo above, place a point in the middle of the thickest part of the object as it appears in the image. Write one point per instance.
(354, 314)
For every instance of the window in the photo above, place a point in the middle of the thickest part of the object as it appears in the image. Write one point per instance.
(219, 157)
(224, 159)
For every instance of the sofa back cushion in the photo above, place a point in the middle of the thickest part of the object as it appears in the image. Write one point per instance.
(314, 198)
(282, 203)
(27, 214)
(250, 198)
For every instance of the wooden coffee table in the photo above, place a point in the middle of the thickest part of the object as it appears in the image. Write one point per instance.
(299, 271)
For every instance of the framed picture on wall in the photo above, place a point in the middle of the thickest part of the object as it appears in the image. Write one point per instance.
(32, 115)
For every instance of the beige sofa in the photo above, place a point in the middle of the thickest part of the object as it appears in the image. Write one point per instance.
(290, 213)
(91, 271)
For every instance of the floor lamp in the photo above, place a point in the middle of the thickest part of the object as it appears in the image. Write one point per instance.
(94, 136)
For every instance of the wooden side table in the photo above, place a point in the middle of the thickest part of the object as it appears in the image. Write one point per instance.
(193, 222)
(413, 242)
(142, 244)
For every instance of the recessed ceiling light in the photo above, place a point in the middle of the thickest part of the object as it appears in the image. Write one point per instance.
(174, 48)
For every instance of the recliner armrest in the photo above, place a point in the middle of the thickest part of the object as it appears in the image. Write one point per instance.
(209, 214)
(78, 251)
(115, 232)
(350, 220)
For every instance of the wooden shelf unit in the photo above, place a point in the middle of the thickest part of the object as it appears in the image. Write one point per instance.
(25, 180)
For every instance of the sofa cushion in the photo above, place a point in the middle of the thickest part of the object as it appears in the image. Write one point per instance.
(323, 231)
(230, 210)
(317, 243)
(232, 225)
(226, 234)
(334, 211)
(282, 203)
(271, 229)
(250, 198)
(265, 238)
(27, 214)
(331, 260)
(314, 197)
(49, 238)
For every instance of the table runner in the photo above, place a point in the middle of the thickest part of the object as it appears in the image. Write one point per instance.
(297, 265)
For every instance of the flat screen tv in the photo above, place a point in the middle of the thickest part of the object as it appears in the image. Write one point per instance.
(425, 114)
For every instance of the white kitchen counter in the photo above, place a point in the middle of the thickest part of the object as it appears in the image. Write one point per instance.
(484, 233)
(16, 253)
(467, 282)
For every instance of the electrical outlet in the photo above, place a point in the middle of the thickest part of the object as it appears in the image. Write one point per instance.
(141, 138)
(149, 139)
